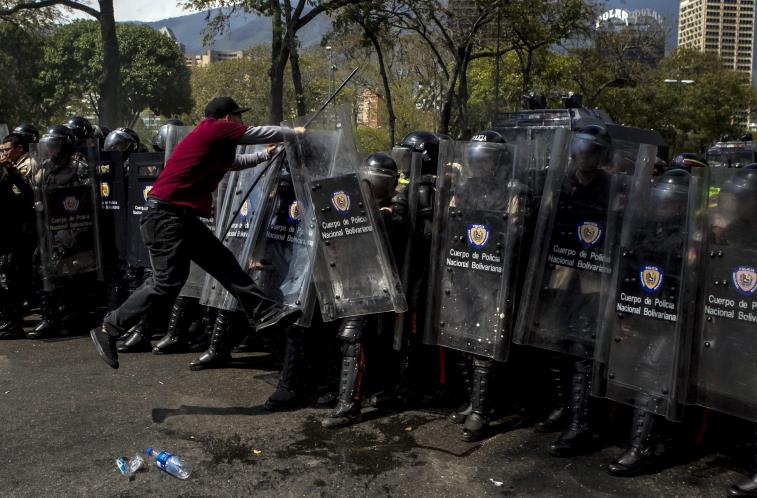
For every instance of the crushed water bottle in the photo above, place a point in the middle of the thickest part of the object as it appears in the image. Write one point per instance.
(129, 466)
(170, 463)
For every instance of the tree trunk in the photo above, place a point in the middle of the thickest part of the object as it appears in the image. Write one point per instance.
(110, 81)
(299, 90)
(279, 57)
(385, 81)
(449, 96)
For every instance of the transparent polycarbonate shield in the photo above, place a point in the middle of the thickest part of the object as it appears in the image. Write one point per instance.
(174, 135)
(144, 169)
(113, 203)
(642, 351)
(3, 130)
(280, 255)
(483, 193)
(585, 188)
(724, 373)
(246, 197)
(67, 206)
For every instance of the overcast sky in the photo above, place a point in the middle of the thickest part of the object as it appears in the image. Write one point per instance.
(147, 10)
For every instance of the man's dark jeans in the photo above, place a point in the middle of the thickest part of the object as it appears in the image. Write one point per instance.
(174, 236)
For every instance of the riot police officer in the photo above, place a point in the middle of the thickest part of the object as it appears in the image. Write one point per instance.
(159, 140)
(380, 171)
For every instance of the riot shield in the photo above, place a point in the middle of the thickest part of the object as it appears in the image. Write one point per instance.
(642, 350)
(113, 203)
(67, 207)
(144, 169)
(250, 209)
(354, 274)
(562, 298)
(479, 224)
(3, 130)
(724, 370)
(174, 135)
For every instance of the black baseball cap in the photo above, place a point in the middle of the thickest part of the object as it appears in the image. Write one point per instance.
(223, 106)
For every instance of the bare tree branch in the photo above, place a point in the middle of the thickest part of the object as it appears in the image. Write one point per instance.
(50, 3)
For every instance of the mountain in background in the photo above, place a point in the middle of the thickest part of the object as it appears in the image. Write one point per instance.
(247, 30)
(244, 31)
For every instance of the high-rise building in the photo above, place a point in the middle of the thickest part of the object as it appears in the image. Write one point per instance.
(723, 27)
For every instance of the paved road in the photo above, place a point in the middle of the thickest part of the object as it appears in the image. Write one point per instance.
(65, 418)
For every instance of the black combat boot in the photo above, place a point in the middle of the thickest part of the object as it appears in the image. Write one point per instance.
(578, 438)
(172, 341)
(138, 341)
(558, 418)
(285, 396)
(50, 324)
(459, 415)
(477, 422)
(219, 351)
(348, 409)
(748, 486)
(640, 456)
(11, 327)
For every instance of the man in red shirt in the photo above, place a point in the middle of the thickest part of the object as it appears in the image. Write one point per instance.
(174, 234)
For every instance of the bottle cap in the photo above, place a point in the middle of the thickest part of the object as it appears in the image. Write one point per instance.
(150, 451)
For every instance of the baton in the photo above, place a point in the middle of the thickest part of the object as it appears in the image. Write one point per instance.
(276, 156)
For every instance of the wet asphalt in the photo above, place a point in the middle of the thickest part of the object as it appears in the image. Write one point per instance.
(65, 417)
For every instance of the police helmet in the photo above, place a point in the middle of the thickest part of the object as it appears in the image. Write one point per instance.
(28, 131)
(588, 145)
(81, 127)
(58, 141)
(124, 140)
(380, 170)
(670, 193)
(485, 153)
(428, 143)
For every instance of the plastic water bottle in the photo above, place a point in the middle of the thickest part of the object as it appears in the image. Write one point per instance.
(129, 466)
(170, 463)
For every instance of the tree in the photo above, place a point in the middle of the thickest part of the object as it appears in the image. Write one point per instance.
(287, 18)
(109, 81)
(20, 54)
(153, 71)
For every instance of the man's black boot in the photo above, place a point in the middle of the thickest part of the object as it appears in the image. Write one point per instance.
(578, 438)
(477, 422)
(348, 410)
(172, 341)
(218, 353)
(104, 338)
(285, 396)
(558, 418)
(640, 456)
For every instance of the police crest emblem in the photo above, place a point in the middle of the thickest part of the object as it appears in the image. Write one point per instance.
(105, 190)
(341, 201)
(651, 278)
(588, 233)
(478, 236)
(294, 212)
(146, 191)
(244, 211)
(745, 280)
(71, 204)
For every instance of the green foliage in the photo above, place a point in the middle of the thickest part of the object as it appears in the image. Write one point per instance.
(153, 73)
(20, 52)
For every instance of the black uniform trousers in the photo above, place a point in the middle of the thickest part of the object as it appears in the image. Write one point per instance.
(174, 237)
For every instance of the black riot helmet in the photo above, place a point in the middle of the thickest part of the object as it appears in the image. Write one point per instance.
(81, 127)
(380, 171)
(688, 160)
(669, 195)
(428, 143)
(589, 145)
(124, 140)
(485, 154)
(159, 140)
(28, 131)
(738, 195)
(58, 143)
